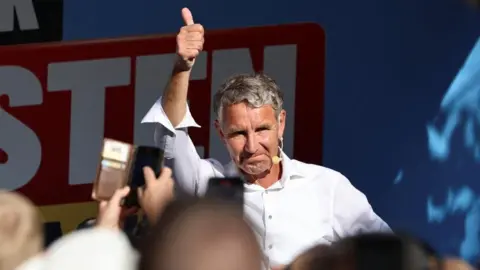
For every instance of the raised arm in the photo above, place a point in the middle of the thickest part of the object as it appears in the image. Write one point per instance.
(189, 44)
(173, 117)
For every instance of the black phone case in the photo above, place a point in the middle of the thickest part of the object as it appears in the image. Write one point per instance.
(143, 156)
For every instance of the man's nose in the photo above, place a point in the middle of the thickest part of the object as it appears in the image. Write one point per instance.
(251, 145)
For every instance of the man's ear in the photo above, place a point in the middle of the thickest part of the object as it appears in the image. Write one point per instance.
(218, 127)
(282, 117)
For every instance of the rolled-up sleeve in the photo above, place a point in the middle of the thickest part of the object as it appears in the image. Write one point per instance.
(352, 213)
(191, 172)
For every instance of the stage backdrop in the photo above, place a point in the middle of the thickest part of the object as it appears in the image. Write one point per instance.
(386, 92)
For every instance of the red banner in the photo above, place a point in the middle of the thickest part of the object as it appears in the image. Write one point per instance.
(60, 99)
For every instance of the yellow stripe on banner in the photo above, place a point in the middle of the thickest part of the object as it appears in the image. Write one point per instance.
(69, 215)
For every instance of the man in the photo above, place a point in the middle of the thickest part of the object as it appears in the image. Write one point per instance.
(291, 205)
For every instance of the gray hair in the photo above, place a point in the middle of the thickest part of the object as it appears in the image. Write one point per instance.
(256, 90)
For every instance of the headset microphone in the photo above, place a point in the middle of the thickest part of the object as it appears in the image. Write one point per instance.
(276, 160)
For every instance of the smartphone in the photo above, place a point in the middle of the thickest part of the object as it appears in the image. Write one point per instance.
(121, 164)
(144, 156)
(113, 171)
(228, 189)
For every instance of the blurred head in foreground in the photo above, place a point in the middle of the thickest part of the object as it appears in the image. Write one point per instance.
(21, 230)
(201, 235)
(456, 264)
(310, 258)
(378, 251)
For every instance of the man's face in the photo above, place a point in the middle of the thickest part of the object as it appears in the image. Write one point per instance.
(251, 136)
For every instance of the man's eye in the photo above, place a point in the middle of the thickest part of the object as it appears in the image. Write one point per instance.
(238, 133)
(262, 129)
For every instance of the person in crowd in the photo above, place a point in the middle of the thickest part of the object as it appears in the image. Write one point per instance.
(153, 197)
(21, 232)
(456, 264)
(101, 247)
(201, 234)
(310, 259)
(380, 251)
(291, 205)
(105, 246)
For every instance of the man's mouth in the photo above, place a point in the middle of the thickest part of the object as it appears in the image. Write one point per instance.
(254, 158)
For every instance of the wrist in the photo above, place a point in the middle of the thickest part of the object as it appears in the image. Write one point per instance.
(152, 217)
(108, 227)
(182, 65)
(154, 214)
(105, 224)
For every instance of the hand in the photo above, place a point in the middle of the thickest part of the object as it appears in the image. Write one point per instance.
(109, 212)
(190, 40)
(156, 194)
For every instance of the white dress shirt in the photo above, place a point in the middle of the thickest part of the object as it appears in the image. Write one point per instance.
(309, 205)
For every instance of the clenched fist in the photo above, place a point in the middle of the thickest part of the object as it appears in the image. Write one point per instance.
(189, 40)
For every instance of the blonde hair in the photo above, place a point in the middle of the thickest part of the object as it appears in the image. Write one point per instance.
(21, 230)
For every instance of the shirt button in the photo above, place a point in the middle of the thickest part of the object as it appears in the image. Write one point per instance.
(270, 217)
(270, 246)
(266, 191)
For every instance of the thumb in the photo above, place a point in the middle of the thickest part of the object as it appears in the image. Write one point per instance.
(119, 195)
(102, 206)
(149, 176)
(140, 193)
(187, 16)
(166, 173)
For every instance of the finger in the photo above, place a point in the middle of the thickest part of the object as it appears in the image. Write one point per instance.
(194, 28)
(102, 206)
(119, 195)
(171, 186)
(166, 174)
(149, 176)
(140, 196)
(194, 48)
(194, 36)
(140, 192)
(187, 16)
(171, 183)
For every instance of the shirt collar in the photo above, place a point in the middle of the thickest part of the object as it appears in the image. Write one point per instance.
(289, 167)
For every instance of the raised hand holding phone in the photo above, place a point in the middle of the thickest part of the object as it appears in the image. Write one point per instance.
(109, 213)
(157, 192)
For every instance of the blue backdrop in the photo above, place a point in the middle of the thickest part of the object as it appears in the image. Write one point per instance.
(389, 66)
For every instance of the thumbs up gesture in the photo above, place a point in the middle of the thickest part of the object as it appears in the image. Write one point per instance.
(190, 40)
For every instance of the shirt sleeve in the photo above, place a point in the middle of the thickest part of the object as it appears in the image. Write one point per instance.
(190, 171)
(352, 213)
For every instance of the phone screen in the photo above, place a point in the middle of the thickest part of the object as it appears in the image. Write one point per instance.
(144, 156)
